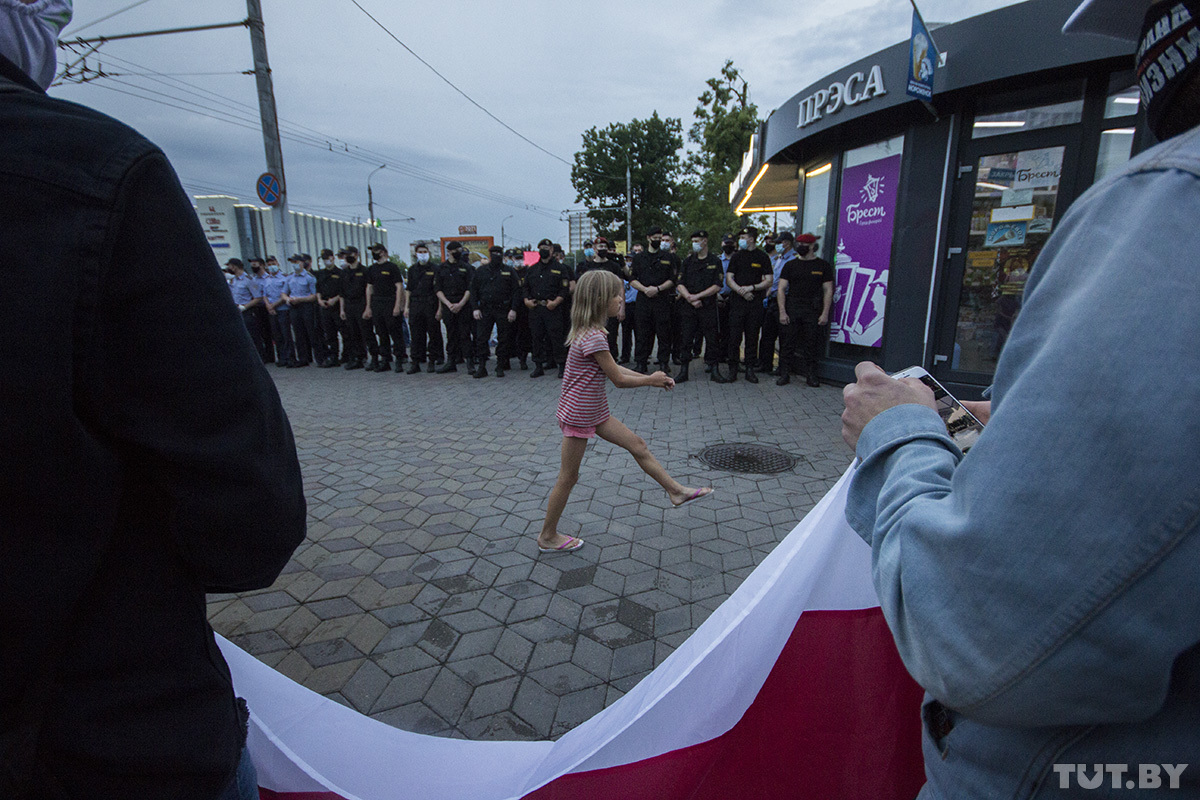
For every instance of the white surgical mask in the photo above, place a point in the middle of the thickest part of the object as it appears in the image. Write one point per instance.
(29, 36)
(744, 244)
(697, 247)
(422, 258)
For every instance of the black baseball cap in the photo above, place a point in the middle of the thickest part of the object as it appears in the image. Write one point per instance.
(453, 245)
(749, 230)
(700, 235)
(785, 236)
(326, 252)
(546, 242)
(351, 249)
(653, 231)
(295, 257)
(234, 262)
(495, 249)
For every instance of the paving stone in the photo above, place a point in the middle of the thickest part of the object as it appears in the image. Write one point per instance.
(333, 651)
(563, 679)
(404, 541)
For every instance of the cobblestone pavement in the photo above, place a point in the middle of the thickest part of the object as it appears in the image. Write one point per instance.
(419, 597)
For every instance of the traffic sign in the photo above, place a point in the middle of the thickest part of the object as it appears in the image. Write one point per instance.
(270, 190)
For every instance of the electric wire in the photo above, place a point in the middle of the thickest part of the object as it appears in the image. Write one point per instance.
(109, 16)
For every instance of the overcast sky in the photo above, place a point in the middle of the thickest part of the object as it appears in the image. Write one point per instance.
(551, 69)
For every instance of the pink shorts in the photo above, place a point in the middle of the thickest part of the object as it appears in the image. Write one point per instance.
(571, 432)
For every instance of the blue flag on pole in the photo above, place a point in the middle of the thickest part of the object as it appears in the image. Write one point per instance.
(923, 60)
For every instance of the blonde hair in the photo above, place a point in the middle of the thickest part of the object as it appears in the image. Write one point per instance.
(589, 304)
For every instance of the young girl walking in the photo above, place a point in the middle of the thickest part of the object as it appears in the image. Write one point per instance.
(583, 408)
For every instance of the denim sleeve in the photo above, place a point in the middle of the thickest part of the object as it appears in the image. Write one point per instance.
(181, 392)
(1049, 576)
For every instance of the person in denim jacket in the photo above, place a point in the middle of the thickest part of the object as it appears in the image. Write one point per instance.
(1042, 589)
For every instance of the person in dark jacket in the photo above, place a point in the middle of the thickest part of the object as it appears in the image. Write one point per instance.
(454, 293)
(546, 288)
(654, 274)
(329, 300)
(354, 308)
(423, 312)
(135, 481)
(495, 294)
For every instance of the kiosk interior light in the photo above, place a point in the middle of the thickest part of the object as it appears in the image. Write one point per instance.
(1014, 123)
(1121, 131)
(742, 206)
(987, 185)
(819, 171)
(1128, 101)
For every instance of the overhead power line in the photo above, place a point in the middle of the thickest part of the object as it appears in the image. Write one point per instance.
(451, 84)
(294, 132)
(109, 16)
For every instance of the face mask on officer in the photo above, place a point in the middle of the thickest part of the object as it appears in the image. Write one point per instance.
(602, 251)
(802, 249)
(422, 258)
(727, 248)
(588, 252)
(744, 244)
(656, 244)
(544, 253)
(697, 247)
(350, 259)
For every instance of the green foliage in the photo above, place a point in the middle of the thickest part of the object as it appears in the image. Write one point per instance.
(650, 148)
(724, 121)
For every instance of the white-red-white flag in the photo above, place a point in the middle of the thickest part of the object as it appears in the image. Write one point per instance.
(792, 688)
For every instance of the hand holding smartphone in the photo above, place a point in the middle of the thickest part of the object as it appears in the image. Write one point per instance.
(964, 428)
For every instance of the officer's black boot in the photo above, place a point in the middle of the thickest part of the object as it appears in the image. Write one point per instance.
(384, 366)
(640, 367)
(733, 371)
(784, 378)
(537, 370)
(682, 377)
(374, 365)
(715, 376)
(413, 368)
(399, 367)
(481, 372)
(562, 371)
(500, 367)
(813, 380)
(431, 368)
(524, 365)
(354, 363)
(750, 376)
(447, 367)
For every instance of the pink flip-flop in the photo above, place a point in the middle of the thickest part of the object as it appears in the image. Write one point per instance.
(699, 494)
(572, 543)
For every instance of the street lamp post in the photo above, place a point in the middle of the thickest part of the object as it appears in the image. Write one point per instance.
(370, 198)
(506, 219)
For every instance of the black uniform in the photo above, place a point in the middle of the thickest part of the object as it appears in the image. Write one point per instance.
(803, 304)
(495, 291)
(697, 275)
(361, 333)
(423, 324)
(329, 287)
(654, 313)
(544, 282)
(748, 268)
(384, 277)
(453, 279)
(522, 338)
(613, 325)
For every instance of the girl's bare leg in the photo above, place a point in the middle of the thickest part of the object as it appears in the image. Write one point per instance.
(615, 431)
(568, 475)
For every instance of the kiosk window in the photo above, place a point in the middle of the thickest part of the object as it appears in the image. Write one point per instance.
(816, 199)
(1027, 119)
(1016, 195)
(1116, 146)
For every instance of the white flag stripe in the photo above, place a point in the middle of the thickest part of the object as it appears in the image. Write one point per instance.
(304, 742)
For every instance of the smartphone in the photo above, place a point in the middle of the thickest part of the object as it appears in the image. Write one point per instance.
(961, 424)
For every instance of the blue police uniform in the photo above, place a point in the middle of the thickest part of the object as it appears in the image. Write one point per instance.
(245, 290)
(274, 285)
(304, 318)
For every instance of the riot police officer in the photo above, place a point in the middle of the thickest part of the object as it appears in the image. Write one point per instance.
(354, 306)
(453, 283)
(748, 278)
(546, 287)
(700, 279)
(329, 306)
(385, 300)
(422, 310)
(596, 254)
(654, 274)
(495, 295)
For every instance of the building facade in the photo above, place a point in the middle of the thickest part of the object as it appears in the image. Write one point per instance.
(934, 212)
(237, 230)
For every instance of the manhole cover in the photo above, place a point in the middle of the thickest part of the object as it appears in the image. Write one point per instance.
(753, 458)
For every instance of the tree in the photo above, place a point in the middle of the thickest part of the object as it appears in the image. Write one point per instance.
(724, 121)
(650, 147)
